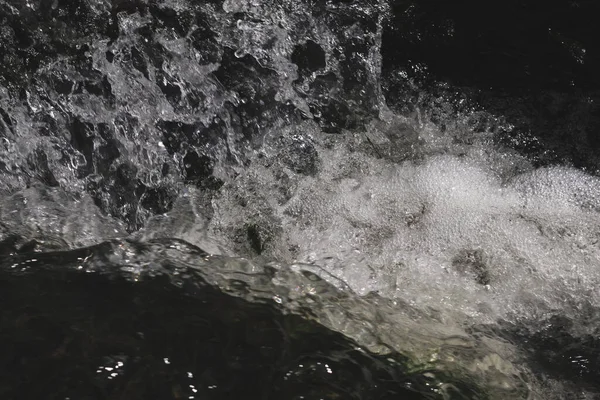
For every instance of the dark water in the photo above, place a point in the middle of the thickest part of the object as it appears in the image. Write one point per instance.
(68, 333)
(316, 135)
(531, 62)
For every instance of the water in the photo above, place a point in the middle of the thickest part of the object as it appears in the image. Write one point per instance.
(91, 335)
(337, 176)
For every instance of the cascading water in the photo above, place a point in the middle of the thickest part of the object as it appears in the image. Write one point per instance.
(316, 171)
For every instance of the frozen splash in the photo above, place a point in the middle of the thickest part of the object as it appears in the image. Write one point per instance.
(475, 231)
(259, 130)
(463, 237)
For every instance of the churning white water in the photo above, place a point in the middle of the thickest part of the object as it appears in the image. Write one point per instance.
(454, 234)
(430, 231)
(474, 231)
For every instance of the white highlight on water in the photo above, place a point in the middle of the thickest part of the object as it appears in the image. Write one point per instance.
(406, 230)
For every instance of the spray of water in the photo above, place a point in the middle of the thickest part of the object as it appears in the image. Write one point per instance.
(181, 128)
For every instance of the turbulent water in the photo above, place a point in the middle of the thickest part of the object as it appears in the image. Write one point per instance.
(414, 180)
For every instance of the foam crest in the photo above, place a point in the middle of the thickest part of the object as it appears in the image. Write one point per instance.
(462, 234)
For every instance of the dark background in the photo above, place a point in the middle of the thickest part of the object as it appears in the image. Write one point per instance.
(534, 62)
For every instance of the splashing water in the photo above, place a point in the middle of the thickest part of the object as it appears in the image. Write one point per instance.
(265, 134)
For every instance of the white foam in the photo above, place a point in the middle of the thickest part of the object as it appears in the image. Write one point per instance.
(399, 228)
